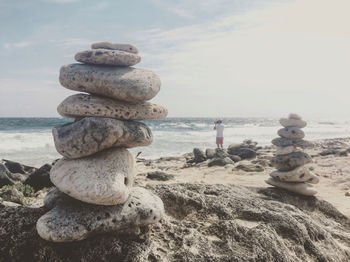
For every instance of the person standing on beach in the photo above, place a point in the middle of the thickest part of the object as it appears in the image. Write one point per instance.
(219, 127)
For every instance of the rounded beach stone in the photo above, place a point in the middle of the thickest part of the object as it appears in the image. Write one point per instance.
(121, 83)
(115, 46)
(291, 133)
(101, 179)
(93, 134)
(290, 161)
(299, 188)
(283, 142)
(72, 220)
(299, 174)
(287, 122)
(83, 105)
(286, 150)
(294, 116)
(107, 57)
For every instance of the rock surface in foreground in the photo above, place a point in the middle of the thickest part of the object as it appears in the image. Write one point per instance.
(203, 223)
(72, 220)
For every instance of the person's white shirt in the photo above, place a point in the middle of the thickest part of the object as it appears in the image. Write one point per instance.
(219, 130)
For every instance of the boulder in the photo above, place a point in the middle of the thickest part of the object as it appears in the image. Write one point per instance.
(72, 220)
(296, 187)
(4, 176)
(283, 142)
(15, 167)
(121, 83)
(102, 179)
(12, 195)
(299, 174)
(115, 46)
(202, 223)
(107, 57)
(40, 178)
(290, 161)
(288, 122)
(235, 158)
(82, 105)
(291, 133)
(210, 153)
(249, 167)
(220, 162)
(199, 155)
(93, 134)
(242, 152)
(160, 176)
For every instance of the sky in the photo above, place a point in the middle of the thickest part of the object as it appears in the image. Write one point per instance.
(215, 58)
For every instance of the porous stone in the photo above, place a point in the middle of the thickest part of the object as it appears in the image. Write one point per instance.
(121, 83)
(93, 134)
(82, 105)
(72, 220)
(107, 57)
(286, 150)
(283, 142)
(294, 116)
(12, 195)
(299, 174)
(300, 188)
(115, 46)
(291, 133)
(290, 161)
(102, 179)
(287, 122)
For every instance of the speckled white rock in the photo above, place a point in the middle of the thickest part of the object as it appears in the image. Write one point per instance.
(299, 188)
(102, 179)
(93, 134)
(286, 150)
(72, 220)
(115, 46)
(289, 122)
(291, 133)
(107, 57)
(82, 105)
(300, 174)
(121, 83)
(294, 116)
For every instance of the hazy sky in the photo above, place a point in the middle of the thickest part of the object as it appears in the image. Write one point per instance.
(215, 57)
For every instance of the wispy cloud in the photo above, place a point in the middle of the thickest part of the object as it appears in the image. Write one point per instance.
(21, 44)
(72, 42)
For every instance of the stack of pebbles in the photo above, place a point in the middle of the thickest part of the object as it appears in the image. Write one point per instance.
(94, 180)
(290, 160)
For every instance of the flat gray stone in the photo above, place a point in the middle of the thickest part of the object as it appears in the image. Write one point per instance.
(115, 46)
(102, 179)
(299, 188)
(291, 133)
(121, 83)
(299, 174)
(283, 142)
(72, 220)
(93, 134)
(287, 122)
(82, 105)
(290, 161)
(107, 57)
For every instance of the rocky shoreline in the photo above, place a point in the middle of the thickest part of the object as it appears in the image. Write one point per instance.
(217, 207)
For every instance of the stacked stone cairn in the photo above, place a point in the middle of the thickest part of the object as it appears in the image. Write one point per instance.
(292, 172)
(94, 180)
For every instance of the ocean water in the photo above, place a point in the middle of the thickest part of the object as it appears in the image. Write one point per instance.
(29, 140)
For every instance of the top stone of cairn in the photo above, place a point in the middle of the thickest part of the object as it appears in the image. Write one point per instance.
(115, 46)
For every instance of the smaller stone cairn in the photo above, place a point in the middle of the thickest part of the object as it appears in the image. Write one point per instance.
(94, 179)
(290, 160)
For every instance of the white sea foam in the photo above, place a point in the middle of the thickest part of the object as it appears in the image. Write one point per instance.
(171, 138)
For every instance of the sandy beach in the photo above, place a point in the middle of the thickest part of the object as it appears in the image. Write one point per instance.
(332, 169)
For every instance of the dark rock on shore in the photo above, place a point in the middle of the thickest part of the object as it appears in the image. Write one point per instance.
(248, 167)
(160, 176)
(15, 167)
(220, 162)
(199, 155)
(4, 176)
(242, 152)
(202, 223)
(40, 178)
